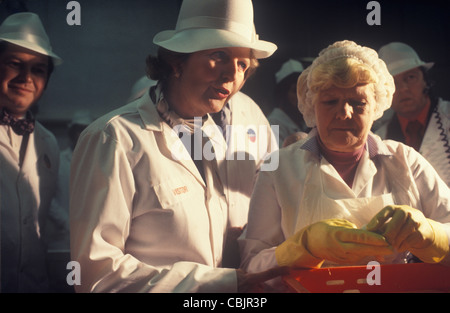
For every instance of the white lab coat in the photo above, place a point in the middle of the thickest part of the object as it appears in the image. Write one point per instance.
(286, 125)
(25, 195)
(143, 220)
(389, 171)
(435, 145)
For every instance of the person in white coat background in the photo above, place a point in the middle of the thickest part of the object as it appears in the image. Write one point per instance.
(343, 196)
(29, 154)
(285, 114)
(58, 228)
(420, 119)
(59, 238)
(140, 87)
(154, 186)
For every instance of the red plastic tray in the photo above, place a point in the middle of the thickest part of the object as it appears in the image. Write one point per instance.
(413, 277)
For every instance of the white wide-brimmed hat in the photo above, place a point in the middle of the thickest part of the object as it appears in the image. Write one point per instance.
(289, 67)
(26, 30)
(140, 87)
(81, 117)
(399, 58)
(212, 24)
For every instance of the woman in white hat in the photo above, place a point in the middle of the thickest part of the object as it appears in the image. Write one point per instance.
(149, 211)
(285, 114)
(29, 153)
(420, 119)
(343, 196)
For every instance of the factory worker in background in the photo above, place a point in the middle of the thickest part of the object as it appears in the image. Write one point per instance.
(343, 196)
(59, 239)
(140, 87)
(153, 193)
(29, 154)
(285, 114)
(58, 228)
(421, 119)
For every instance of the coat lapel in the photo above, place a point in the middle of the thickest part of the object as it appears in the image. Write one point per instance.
(176, 150)
(171, 145)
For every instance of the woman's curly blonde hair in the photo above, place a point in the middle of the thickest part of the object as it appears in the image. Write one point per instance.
(344, 64)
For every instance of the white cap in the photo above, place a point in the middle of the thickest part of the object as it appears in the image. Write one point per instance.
(26, 30)
(212, 24)
(288, 67)
(400, 57)
(384, 88)
(81, 117)
(140, 87)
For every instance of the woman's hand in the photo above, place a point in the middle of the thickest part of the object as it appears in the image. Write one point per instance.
(340, 241)
(406, 228)
(403, 227)
(335, 240)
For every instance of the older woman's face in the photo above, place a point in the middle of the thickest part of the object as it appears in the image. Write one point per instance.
(208, 79)
(344, 116)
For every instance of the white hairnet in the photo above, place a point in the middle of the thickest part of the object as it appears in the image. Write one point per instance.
(384, 89)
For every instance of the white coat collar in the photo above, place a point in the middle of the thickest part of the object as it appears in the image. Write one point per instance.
(147, 109)
(374, 145)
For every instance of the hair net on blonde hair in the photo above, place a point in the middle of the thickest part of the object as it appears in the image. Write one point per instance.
(384, 87)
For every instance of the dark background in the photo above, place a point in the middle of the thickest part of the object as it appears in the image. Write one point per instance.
(303, 28)
(105, 55)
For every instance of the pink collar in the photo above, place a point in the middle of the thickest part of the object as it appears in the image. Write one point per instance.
(345, 163)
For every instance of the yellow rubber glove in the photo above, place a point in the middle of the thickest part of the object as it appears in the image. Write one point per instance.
(335, 240)
(406, 228)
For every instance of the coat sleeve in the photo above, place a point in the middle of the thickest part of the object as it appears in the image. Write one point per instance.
(263, 233)
(434, 192)
(102, 190)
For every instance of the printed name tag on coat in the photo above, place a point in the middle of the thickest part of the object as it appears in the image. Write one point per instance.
(180, 190)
